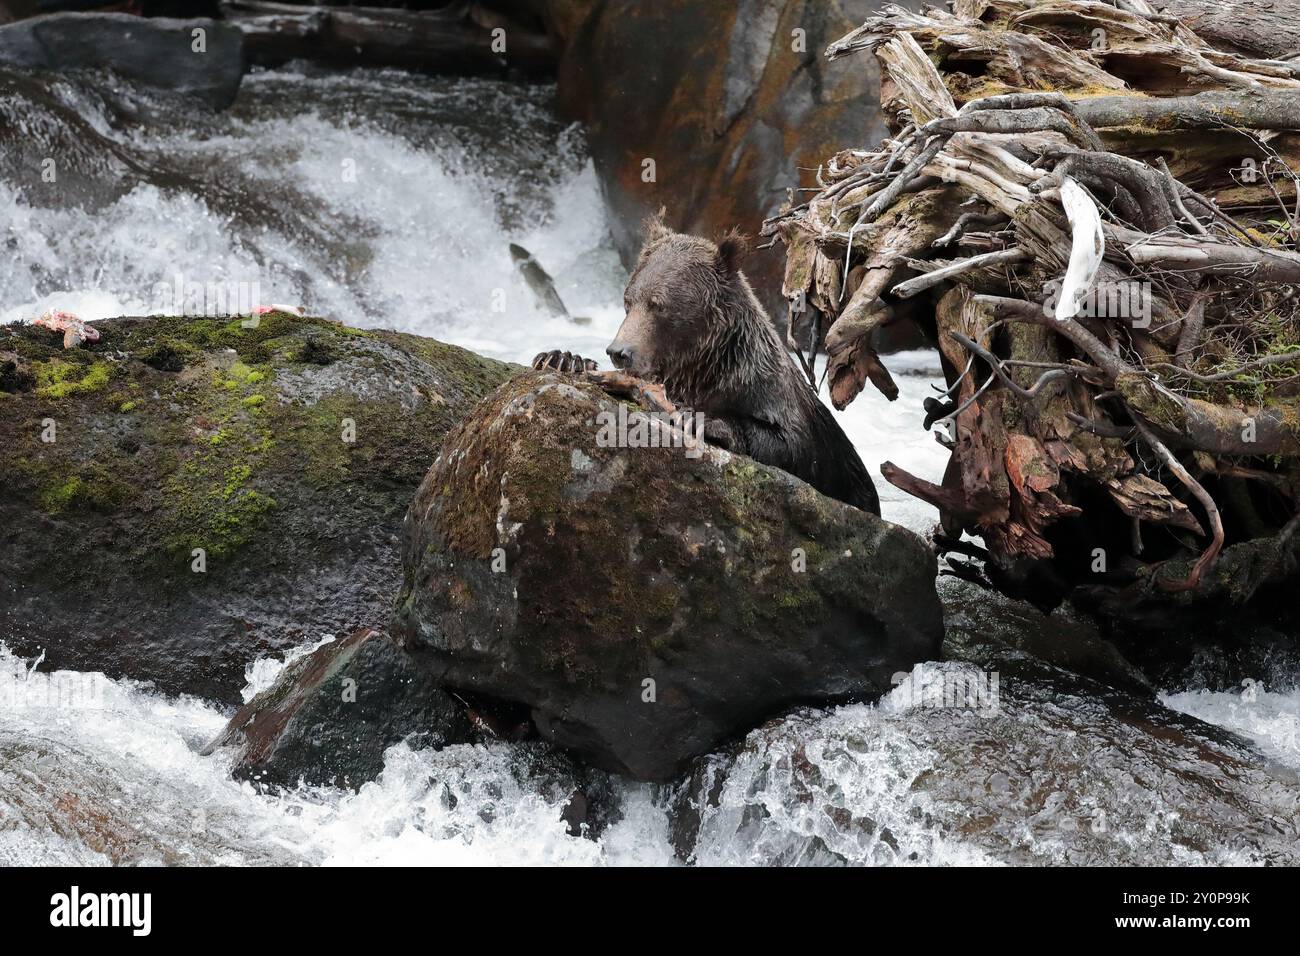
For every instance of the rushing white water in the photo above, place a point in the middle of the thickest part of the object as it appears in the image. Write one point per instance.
(404, 229)
(107, 772)
(384, 201)
(1270, 718)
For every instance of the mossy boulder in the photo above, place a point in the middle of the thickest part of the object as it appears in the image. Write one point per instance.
(647, 603)
(188, 494)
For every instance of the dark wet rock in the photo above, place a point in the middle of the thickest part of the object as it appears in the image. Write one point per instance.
(646, 604)
(1241, 624)
(593, 800)
(718, 96)
(1221, 653)
(177, 434)
(1011, 761)
(982, 624)
(11, 10)
(52, 152)
(331, 714)
(157, 52)
(15, 374)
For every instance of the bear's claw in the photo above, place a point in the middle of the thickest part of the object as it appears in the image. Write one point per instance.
(557, 361)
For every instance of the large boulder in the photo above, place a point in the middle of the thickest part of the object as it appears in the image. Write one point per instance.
(642, 603)
(161, 53)
(734, 103)
(187, 494)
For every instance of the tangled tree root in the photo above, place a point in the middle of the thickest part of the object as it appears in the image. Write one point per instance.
(1115, 201)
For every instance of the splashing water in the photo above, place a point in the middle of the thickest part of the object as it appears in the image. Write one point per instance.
(342, 208)
(111, 775)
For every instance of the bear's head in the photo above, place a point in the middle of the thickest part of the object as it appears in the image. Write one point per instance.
(678, 300)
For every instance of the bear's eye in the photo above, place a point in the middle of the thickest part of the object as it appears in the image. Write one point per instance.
(657, 304)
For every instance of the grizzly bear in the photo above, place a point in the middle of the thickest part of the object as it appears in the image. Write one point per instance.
(695, 327)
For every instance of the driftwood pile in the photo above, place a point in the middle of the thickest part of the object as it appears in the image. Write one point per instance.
(1096, 211)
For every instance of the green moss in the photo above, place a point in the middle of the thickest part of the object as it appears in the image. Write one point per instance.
(58, 496)
(191, 446)
(306, 350)
(238, 375)
(189, 337)
(218, 517)
(1154, 405)
(236, 477)
(166, 353)
(59, 379)
(214, 500)
(748, 490)
(799, 598)
(92, 487)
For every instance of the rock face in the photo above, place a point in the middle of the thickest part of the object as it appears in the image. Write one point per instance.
(733, 102)
(646, 603)
(330, 715)
(187, 494)
(157, 52)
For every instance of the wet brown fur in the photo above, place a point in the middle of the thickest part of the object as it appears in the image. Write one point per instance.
(694, 324)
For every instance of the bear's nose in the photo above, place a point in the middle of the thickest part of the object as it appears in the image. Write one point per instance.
(620, 355)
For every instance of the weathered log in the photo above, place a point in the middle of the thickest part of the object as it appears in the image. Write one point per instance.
(1249, 109)
(934, 277)
(1252, 29)
(460, 38)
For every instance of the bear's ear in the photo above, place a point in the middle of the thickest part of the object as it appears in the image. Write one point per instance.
(654, 228)
(732, 249)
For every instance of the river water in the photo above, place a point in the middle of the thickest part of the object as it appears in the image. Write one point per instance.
(382, 200)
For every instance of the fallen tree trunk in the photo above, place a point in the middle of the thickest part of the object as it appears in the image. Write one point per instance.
(1118, 306)
(1253, 29)
(1254, 109)
(460, 38)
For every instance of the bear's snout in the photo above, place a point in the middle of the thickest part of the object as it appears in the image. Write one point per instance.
(621, 355)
